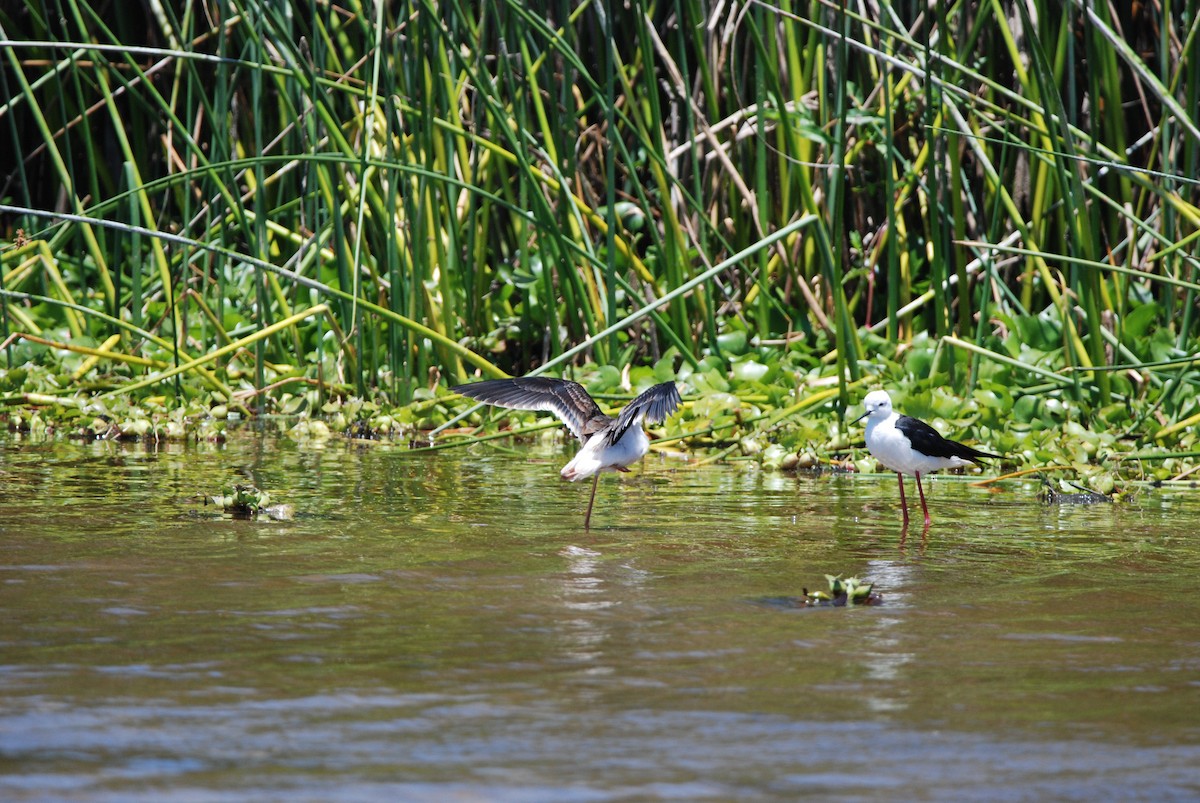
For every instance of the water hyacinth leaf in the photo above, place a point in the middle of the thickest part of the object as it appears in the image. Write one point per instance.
(1115, 415)
(1039, 332)
(291, 405)
(749, 370)
(710, 381)
(641, 377)
(1140, 320)
(607, 379)
(713, 403)
(664, 368)
(919, 362)
(945, 404)
(1162, 346)
(309, 430)
(992, 399)
(835, 584)
(857, 590)
(734, 342)
(773, 457)
(750, 445)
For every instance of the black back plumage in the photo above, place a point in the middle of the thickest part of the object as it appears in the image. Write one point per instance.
(572, 404)
(927, 440)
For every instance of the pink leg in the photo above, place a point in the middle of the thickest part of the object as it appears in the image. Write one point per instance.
(587, 519)
(924, 507)
(903, 501)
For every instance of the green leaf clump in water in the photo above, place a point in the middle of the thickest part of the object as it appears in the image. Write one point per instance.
(850, 591)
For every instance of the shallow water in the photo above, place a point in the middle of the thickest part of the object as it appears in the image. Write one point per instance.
(441, 627)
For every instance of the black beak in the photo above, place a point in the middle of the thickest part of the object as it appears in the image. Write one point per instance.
(861, 417)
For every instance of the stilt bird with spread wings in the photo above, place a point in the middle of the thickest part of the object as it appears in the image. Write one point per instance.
(609, 444)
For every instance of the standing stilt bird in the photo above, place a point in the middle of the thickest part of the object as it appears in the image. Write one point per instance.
(910, 446)
(609, 444)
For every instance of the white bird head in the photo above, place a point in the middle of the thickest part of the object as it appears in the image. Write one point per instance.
(878, 404)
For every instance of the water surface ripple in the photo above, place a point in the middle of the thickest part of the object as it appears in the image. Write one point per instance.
(441, 627)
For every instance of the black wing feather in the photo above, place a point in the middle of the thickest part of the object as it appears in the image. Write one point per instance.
(567, 400)
(654, 405)
(927, 440)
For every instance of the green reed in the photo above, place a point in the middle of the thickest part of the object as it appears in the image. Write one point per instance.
(448, 187)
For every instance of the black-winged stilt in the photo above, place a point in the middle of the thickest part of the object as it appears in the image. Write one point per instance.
(609, 444)
(908, 445)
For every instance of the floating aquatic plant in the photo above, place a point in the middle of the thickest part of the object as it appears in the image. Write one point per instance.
(248, 502)
(850, 591)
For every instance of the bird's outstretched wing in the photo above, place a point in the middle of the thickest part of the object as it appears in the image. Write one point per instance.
(654, 405)
(567, 400)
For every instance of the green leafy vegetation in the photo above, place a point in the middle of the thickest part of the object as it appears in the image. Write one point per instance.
(850, 591)
(248, 502)
(335, 210)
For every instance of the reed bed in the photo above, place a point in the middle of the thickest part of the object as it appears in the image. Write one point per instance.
(254, 202)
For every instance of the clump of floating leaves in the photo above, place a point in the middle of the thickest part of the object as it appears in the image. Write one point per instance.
(850, 591)
(248, 502)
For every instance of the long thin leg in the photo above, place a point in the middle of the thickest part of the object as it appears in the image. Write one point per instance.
(924, 507)
(587, 520)
(903, 501)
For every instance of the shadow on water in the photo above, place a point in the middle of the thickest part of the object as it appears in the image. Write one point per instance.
(440, 626)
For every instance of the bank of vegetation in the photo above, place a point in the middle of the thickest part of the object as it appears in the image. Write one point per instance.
(338, 209)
